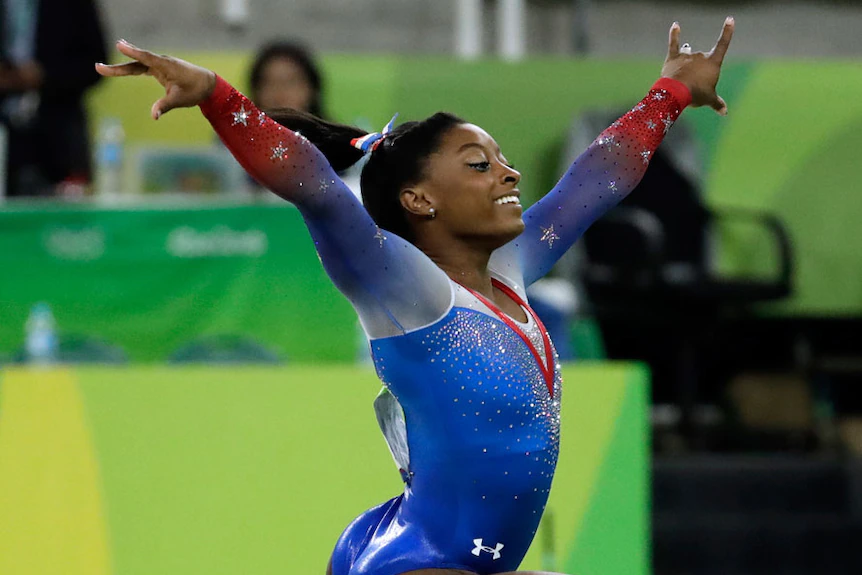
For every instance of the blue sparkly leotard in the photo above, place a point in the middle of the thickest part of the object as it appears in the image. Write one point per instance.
(471, 405)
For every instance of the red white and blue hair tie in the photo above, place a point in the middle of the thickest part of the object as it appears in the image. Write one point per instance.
(369, 142)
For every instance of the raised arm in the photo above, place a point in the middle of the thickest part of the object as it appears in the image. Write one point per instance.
(616, 161)
(393, 286)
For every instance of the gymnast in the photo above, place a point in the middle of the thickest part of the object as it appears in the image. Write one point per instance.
(436, 261)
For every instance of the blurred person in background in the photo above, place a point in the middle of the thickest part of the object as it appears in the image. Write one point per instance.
(47, 48)
(436, 265)
(285, 75)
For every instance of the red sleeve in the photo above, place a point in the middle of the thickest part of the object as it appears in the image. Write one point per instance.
(277, 157)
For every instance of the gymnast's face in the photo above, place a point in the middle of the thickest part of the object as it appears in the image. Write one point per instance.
(472, 189)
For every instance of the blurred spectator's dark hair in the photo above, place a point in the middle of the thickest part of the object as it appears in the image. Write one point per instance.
(298, 54)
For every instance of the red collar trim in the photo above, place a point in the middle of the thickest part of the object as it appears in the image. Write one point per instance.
(547, 367)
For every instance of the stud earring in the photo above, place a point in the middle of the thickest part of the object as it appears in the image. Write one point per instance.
(432, 213)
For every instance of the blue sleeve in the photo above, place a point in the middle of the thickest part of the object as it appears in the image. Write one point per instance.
(598, 180)
(393, 286)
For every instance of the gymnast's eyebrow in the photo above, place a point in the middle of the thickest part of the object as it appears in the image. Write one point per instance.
(499, 152)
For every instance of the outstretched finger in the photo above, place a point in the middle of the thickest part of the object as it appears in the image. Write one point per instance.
(143, 56)
(673, 41)
(723, 43)
(127, 69)
(719, 105)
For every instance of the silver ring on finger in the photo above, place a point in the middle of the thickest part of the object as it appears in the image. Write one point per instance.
(685, 49)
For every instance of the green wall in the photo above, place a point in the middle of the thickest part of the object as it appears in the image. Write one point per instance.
(146, 280)
(791, 147)
(217, 471)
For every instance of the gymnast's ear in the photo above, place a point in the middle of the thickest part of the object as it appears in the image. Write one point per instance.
(415, 201)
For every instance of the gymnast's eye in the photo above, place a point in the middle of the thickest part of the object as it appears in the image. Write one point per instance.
(481, 166)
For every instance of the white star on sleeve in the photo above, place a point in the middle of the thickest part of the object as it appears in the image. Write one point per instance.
(279, 152)
(549, 236)
(241, 117)
(380, 237)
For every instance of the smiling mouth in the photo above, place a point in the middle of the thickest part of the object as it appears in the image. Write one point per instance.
(513, 199)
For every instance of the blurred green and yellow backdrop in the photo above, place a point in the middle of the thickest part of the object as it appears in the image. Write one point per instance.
(210, 471)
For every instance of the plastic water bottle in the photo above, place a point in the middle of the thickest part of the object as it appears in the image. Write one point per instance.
(109, 157)
(41, 343)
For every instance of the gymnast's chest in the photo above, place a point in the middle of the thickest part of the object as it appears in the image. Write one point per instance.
(469, 355)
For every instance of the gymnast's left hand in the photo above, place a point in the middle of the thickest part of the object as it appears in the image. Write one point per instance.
(185, 84)
(699, 71)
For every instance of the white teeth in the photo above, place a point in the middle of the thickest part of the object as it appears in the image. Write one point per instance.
(508, 200)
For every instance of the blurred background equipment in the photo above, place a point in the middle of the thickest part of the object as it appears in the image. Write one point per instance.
(650, 268)
(235, 13)
(229, 349)
(719, 308)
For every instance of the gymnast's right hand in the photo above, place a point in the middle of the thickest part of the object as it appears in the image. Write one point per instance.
(185, 84)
